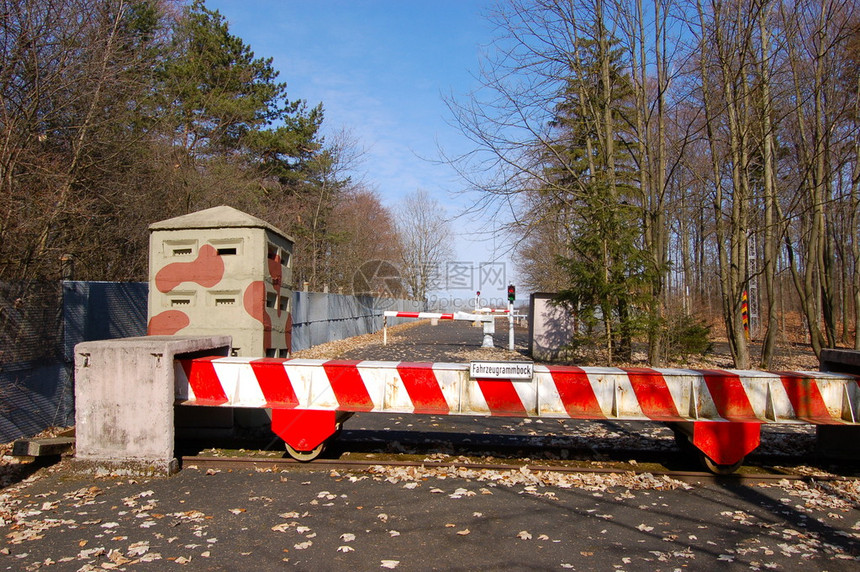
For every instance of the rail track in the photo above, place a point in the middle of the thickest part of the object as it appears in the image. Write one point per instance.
(205, 462)
(358, 456)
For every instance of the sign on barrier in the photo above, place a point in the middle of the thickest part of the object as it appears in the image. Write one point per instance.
(512, 370)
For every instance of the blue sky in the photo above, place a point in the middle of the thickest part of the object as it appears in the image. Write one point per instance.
(381, 68)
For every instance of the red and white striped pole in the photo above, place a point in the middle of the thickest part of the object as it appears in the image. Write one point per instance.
(487, 320)
(418, 315)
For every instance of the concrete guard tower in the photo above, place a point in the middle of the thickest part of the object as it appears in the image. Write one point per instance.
(220, 271)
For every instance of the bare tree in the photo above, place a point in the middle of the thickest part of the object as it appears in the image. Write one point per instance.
(305, 206)
(816, 32)
(68, 71)
(607, 64)
(854, 219)
(771, 242)
(426, 241)
(362, 230)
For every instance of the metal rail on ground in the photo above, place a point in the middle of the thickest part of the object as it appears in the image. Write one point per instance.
(205, 462)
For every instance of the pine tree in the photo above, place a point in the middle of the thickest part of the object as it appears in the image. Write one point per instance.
(592, 178)
(221, 99)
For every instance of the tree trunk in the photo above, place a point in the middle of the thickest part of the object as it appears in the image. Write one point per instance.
(731, 259)
(854, 221)
(770, 230)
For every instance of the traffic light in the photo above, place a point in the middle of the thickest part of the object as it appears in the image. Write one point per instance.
(512, 293)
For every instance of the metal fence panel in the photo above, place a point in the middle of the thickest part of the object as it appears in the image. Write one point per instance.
(35, 385)
(102, 311)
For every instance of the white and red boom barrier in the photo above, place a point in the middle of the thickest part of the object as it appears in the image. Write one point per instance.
(419, 315)
(725, 407)
(487, 320)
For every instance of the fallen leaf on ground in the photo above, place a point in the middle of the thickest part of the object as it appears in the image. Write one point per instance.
(117, 558)
(138, 548)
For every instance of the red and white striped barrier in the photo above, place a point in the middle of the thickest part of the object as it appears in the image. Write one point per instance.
(492, 311)
(554, 391)
(479, 313)
(420, 315)
(721, 409)
(487, 320)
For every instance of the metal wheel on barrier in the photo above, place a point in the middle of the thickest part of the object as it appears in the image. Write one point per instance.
(717, 468)
(306, 456)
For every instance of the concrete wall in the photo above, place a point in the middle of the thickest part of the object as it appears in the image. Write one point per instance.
(551, 327)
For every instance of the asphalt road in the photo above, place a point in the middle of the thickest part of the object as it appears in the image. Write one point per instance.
(311, 520)
(427, 519)
(448, 341)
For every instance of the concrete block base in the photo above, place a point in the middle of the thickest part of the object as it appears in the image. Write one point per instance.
(129, 468)
(124, 395)
(42, 447)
